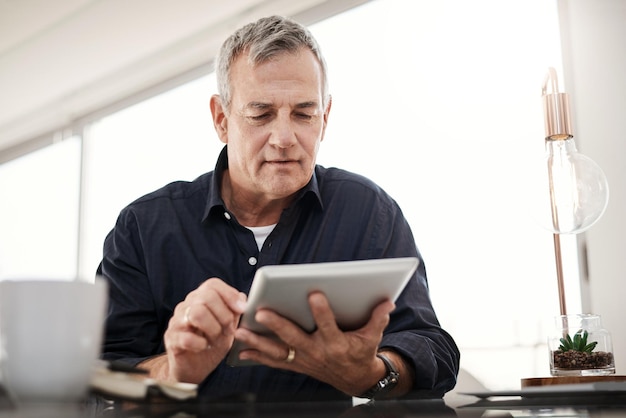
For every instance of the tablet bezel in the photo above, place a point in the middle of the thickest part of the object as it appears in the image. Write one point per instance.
(353, 289)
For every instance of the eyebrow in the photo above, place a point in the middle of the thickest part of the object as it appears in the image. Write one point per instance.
(264, 106)
(257, 105)
(308, 104)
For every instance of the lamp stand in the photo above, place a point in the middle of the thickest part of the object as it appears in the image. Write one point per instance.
(559, 273)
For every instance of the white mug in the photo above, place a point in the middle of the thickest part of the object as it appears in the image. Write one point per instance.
(50, 337)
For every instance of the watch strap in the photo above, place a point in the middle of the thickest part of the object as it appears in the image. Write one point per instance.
(387, 383)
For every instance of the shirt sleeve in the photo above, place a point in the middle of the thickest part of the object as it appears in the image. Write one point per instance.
(132, 332)
(414, 330)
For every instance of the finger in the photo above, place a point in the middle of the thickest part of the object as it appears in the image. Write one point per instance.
(322, 314)
(188, 341)
(184, 338)
(214, 308)
(212, 316)
(204, 317)
(379, 318)
(233, 298)
(266, 350)
(284, 328)
(326, 322)
(199, 320)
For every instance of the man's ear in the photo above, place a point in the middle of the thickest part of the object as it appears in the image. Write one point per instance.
(220, 121)
(326, 113)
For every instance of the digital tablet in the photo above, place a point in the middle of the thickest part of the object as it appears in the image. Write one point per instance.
(353, 289)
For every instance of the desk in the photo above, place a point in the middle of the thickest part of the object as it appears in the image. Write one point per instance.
(451, 406)
(101, 409)
(576, 406)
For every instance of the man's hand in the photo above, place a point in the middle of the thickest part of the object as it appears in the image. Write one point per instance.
(200, 333)
(345, 360)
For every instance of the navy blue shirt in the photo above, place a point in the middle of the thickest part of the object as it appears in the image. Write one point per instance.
(165, 244)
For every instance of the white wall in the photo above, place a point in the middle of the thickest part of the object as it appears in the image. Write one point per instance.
(594, 43)
(85, 56)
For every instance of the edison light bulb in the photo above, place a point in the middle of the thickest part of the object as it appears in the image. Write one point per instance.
(577, 188)
(575, 192)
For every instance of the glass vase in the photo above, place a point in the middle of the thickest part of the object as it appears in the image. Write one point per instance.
(580, 346)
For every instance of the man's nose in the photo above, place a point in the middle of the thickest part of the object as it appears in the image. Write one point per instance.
(283, 133)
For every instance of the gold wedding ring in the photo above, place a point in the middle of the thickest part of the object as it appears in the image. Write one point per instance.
(291, 355)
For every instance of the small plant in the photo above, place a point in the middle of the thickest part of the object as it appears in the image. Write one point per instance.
(578, 343)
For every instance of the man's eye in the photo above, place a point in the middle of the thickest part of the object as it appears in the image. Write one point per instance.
(259, 117)
(303, 116)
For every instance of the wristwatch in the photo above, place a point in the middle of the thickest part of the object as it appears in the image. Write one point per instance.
(386, 383)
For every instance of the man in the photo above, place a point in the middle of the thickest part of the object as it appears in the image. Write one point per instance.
(180, 261)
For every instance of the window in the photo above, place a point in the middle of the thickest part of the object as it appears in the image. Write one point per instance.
(440, 103)
(39, 222)
(139, 149)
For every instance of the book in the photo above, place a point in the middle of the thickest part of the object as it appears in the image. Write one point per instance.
(136, 386)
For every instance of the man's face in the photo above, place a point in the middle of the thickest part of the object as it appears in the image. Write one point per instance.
(274, 126)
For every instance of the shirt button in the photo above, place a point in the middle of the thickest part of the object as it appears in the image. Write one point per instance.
(252, 261)
(227, 215)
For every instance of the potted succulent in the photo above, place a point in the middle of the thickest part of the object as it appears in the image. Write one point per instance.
(585, 352)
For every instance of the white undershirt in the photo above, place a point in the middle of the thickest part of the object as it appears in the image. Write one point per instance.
(261, 233)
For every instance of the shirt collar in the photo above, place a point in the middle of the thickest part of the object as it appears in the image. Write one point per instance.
(214, 198)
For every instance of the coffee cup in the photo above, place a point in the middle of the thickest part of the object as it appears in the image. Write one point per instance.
(51, 335)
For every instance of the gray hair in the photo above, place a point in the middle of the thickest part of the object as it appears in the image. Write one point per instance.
(264, 39)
